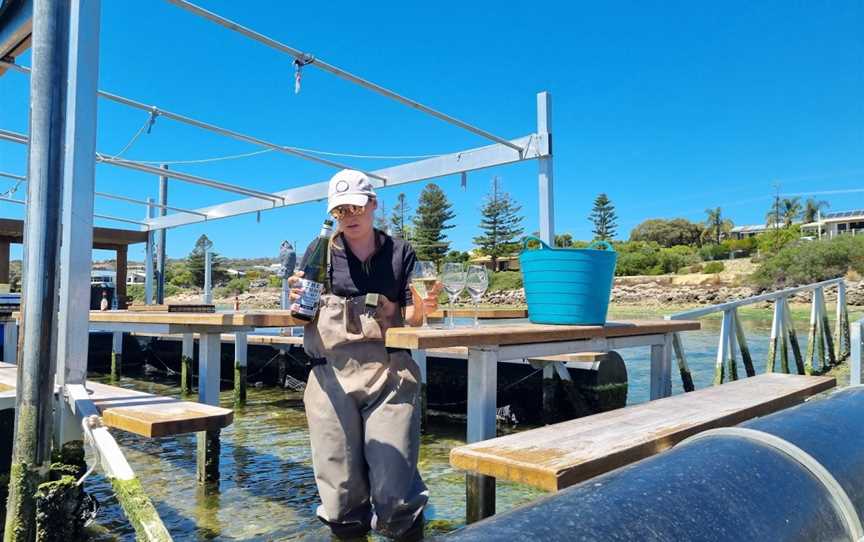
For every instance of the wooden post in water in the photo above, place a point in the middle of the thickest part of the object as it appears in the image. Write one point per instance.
(482, 385)
(186, 357)
(420, 359)
(811, 336)
(842, 340)
(116, 355)
(826, 330)
(775, 335)
(683, 368)
(240, 363)
(784, 336)
(746, 359)
(733, 364)
(793, 337)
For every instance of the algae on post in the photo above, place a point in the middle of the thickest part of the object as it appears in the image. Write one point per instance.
(139, 510)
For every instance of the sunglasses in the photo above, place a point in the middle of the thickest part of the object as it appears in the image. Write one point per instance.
(347, 210)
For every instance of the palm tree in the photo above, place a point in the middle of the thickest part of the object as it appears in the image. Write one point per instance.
(790, 210)
(812, 208)
(716, 225)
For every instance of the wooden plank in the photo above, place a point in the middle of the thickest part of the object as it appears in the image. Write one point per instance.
(483, 314)
(173, 307)
(274, 318)
(425, 338)
(143, 413)
(560, 455)
(13, 230)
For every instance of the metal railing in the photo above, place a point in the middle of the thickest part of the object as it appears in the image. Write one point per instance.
(823, 349)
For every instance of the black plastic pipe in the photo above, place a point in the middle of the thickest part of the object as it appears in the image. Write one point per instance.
(796, 475)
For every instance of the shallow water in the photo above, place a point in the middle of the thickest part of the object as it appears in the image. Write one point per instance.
(267, 489)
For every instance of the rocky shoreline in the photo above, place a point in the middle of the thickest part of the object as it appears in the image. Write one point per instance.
(659, 292)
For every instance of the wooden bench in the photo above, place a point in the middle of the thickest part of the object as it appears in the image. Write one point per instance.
(560, 455)
(142, 413)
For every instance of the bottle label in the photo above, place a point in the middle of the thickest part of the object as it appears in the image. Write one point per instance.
(307, 305)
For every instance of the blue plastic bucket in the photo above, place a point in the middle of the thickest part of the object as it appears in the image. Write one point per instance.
(567, 285)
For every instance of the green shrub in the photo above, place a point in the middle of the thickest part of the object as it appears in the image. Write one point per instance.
(274, 281)
(713, 267)
(714, 252)
(772, 241)
(237, 285)
(742, 247)
(811, 261)
(171, 290)
(505, 280)
(135, 292)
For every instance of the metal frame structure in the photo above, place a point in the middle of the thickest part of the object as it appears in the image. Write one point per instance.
(64, 127)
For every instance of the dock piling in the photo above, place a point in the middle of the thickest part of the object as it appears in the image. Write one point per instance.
(420, 359)
(746, 359)
(186, 359)
(683, 367)
(209, 368)
(116, 355)
(240, 357)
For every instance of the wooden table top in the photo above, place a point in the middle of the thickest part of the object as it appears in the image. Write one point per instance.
(562, 454)
(274, 318)
(416, 337)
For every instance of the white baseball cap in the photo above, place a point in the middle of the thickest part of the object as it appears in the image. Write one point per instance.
(349, 187)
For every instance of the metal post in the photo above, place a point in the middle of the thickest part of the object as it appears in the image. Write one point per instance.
(209, 366)
(742, 345)
(722, 347)
(73, 323)
(34, 403)
(208, 268)
(10, 341)
(683, 367)
(840, 335)
(482, 395)
(776, 330)
(545, 188)
(148, 259)
(811, 336)
(855, 353)
(160, 240)
(661, 369)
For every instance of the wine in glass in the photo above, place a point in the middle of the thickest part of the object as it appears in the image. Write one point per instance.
(476, 282)
(453, 277)
(423, 280)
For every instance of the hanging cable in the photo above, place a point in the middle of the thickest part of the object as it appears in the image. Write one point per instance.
(148, 125)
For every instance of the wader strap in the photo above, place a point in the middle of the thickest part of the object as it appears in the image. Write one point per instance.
(316, 361)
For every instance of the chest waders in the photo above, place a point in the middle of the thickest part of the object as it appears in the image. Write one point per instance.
(363, 408)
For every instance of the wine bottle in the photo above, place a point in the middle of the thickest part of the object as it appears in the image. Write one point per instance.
(314, 267)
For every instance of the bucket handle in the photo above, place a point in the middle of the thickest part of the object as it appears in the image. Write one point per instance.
(530, 238)
(605, 244)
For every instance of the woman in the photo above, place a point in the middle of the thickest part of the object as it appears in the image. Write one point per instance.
(362, 399)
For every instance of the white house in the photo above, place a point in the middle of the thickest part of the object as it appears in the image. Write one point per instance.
(838, 223)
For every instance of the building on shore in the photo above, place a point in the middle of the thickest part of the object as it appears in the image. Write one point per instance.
(837, 223)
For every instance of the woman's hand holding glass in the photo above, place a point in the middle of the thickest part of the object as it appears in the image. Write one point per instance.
(425, 288)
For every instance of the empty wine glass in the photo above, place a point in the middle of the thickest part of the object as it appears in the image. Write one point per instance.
(423, 280)
(476, 282)
(453, 277)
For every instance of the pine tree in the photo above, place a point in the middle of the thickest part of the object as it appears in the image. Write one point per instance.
(501, 225)
(400, 219)
(381, 217)
(604, 218)
(195, 264)
(433, 213)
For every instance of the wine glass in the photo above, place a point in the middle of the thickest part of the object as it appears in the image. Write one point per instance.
(453, 277)
(423, 280)
(476, 282)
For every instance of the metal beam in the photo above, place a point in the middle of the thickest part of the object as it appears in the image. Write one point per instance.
(95, 215)
(77, 213)
(152, 109)
(120, 198)
(129, 164)
(338, 72)
(534, 145)
(16, 27)
(545, 187)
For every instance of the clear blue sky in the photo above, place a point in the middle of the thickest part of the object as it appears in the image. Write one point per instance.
(668, 107)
